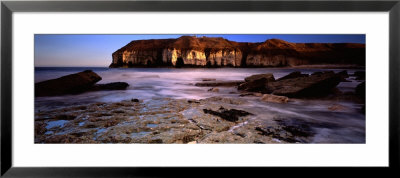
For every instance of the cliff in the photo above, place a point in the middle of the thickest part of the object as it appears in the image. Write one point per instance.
(190, 51)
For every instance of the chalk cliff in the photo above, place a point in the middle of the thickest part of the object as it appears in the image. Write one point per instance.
(191, 51)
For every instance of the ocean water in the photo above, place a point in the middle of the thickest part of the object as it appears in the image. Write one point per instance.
(178, 83)
(145, 83)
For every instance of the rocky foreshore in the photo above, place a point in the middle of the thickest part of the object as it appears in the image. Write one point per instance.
(241, 119)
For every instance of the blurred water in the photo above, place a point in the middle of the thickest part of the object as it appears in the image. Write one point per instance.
(344, 126)
(146, 83)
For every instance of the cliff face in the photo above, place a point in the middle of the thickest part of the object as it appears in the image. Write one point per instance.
(219, 52)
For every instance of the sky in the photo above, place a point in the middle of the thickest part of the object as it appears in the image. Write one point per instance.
(53, 50)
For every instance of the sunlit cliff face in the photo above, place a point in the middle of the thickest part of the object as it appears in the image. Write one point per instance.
(219, 52)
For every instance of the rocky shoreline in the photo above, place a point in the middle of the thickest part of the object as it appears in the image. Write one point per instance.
(239, 119)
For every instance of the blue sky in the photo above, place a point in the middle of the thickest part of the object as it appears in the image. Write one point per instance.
(95, 50)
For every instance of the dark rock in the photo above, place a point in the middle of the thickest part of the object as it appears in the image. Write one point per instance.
(268, 77)
(134, 100)
(257, 85)
(110, 86)
(193, 101)
(69, 84)
(208, 79)
(312, 86)
(156, 141)
(360, 90)
(295, 74)
(360, 75)
(40, 128)
(317, 73)
(219, 83)
(289, 130)
(343, 73)
(229, 115)
(188, 138)
(274, 98)
(64, 117)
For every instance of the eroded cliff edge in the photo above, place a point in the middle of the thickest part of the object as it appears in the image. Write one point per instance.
(191, 51)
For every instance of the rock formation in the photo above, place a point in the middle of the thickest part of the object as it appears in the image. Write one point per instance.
(294, 84)
(74, 84)
(190, 51)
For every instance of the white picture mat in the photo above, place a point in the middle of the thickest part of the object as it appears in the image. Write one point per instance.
(373, 153)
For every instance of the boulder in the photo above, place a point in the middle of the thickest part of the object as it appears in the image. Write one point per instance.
(295, 74)
(343, 74)
(274, 98)
(268, 77)
(69, 84)
(219, 84)
(257, 85)
(312, 86)
(110, 86)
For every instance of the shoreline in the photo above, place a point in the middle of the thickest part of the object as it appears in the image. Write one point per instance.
(165, 120)
(243, 117)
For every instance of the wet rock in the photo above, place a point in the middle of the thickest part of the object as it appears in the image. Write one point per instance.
(337, 107)
(295, 74)
(188, 138)
(227, 114)
(268, 77)
(317, 73)
(288, 130)
(312, 86)
(40, 128)
(110, 86)
(251, 94)
(208, 79)
(219, 84)
(343, 74)
(69, 84)
(257, 85)
(64, 117)
(360, 90)
(134, 100)
(258, 94)
(63, 139)
(274, 98)
(360, 75)
(193, 101)
(214, 89)
(156, 141)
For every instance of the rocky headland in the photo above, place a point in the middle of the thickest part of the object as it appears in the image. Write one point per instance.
(191, 51)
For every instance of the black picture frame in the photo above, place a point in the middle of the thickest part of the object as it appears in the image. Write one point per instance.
(8, 7)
